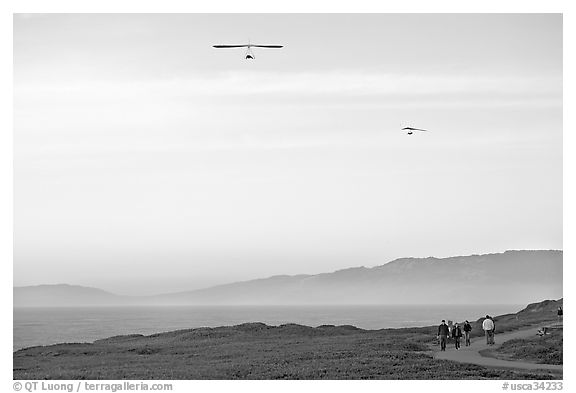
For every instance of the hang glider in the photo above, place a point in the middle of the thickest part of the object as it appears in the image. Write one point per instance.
(249, 54)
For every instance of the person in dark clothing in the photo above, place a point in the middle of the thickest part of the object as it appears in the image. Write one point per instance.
(443, 333)
(467, 330)
(456, 335)
(560, 314)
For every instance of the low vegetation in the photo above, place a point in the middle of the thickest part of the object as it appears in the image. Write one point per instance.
(546, 349)
(255, 351)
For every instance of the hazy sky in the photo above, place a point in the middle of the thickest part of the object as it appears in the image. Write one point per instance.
(147, 161)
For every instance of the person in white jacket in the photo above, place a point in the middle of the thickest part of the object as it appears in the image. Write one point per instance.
(488, 327)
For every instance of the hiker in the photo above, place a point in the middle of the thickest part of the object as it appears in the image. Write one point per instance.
(456, 334)
(450, 327)
(443, 335)
(467, 330)
(493, 331)
(488, 327)
(560, 313)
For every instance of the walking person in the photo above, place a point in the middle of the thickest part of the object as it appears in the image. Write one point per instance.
(443, 335)
(456, 334)
(493, 331)
(467, 330)
(560, 314)
(488, 326)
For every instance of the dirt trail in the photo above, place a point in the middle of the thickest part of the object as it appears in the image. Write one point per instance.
(471, 354)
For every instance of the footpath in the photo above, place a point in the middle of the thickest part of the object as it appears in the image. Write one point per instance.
(471, 354)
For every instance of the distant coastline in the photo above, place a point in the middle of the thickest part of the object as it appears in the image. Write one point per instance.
(515, 275)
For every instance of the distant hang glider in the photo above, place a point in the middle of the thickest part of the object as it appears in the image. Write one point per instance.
(410, 130)
(249, 54)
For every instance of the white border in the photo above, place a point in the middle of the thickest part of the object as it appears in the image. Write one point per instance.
(299, 6)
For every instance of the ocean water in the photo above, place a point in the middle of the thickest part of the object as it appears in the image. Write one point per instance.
(44, 326)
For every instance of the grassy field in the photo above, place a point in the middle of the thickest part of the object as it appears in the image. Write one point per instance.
(546, 349)
(258, 351)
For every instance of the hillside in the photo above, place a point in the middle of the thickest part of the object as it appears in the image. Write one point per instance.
(512, 277)
(63, 295)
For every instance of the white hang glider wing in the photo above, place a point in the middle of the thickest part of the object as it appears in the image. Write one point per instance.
(249, 54)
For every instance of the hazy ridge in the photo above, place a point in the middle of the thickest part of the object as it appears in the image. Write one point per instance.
(510, 277)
